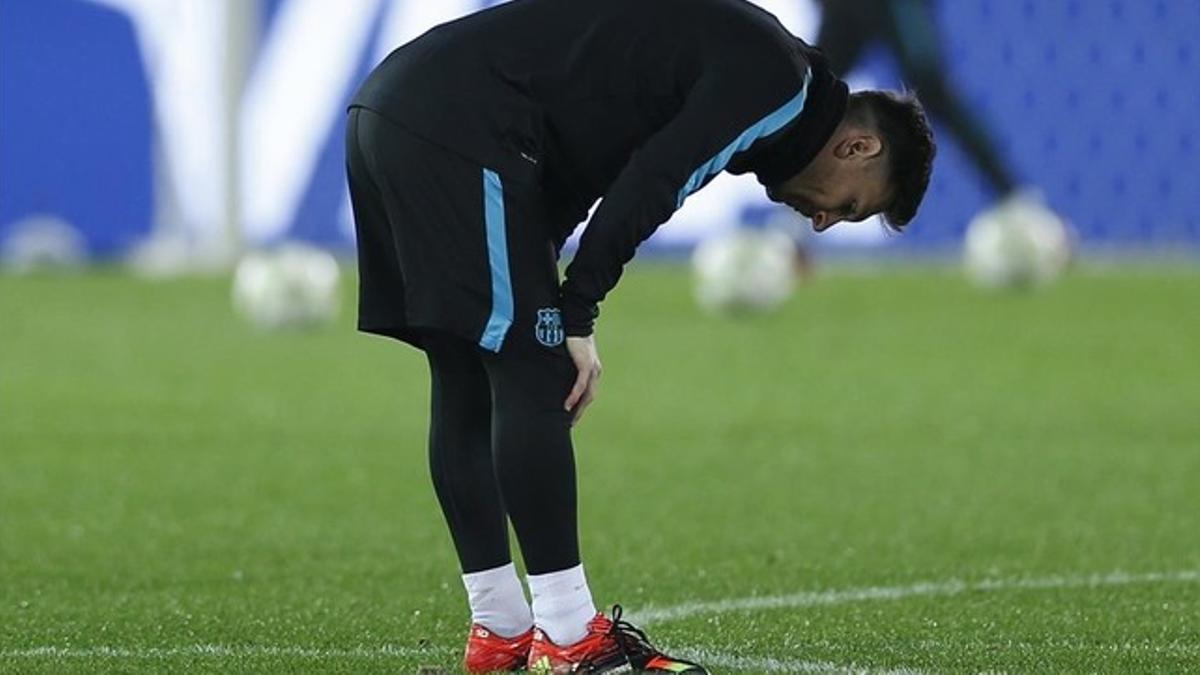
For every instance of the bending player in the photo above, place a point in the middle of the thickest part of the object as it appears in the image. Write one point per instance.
(476, 149)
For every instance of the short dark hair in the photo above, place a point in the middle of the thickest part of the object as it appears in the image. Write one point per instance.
(908, 144)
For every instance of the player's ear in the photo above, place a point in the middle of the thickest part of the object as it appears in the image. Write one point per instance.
(862, 145)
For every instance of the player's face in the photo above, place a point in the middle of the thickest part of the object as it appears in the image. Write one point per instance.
(846, 181)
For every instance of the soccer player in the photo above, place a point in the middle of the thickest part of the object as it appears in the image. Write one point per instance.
(475, 150)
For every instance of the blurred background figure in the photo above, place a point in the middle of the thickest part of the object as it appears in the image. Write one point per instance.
(1016, 241)
(909, 31)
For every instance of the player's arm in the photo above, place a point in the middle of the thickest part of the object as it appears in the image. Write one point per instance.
(725, 112)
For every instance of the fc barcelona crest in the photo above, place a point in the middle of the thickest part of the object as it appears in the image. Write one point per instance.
(549, 329)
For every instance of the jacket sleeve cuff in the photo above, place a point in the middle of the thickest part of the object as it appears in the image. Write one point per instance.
(579, 316)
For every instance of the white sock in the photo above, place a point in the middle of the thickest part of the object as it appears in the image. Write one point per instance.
(498, 601)
(562, 604)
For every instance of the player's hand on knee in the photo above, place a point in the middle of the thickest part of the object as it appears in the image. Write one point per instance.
(587, 368)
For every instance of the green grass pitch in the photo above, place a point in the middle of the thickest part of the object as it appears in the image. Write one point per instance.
(894, 473)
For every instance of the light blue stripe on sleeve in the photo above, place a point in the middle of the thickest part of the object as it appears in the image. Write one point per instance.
(764, 127)
(497, 245)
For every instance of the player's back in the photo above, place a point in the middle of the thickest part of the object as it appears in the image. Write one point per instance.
(562, 93)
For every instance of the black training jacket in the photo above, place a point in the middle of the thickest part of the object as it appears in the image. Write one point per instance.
(638, 102)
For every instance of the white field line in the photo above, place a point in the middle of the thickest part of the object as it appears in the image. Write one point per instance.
(951, 587)
(714, 659)
(1179, 649)
(1143, 646)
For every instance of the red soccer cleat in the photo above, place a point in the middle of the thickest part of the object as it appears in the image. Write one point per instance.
(489, 653)
(611, 645)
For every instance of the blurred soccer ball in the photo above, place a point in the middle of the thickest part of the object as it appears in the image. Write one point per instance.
(295, 286)
(1018, 243)
(744, 270)
(43, 243)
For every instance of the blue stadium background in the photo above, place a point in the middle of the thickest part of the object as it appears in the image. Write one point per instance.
(1093, 101)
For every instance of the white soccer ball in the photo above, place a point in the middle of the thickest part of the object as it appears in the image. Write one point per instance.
(744, 270)
(294, 286)
(1018, 243)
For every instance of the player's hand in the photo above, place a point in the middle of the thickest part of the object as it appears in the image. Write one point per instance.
(587, 367)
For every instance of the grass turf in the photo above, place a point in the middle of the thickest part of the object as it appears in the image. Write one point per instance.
(180, 492)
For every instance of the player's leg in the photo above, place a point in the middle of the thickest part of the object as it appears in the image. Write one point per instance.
(846, 28)
(914, 36)
(403, 192)
(459, 438)
(535, 465)
(531, 374)
(460, 462)
(535, 469)
(460, 453)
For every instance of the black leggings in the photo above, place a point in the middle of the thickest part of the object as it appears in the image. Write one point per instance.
(500, 450)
